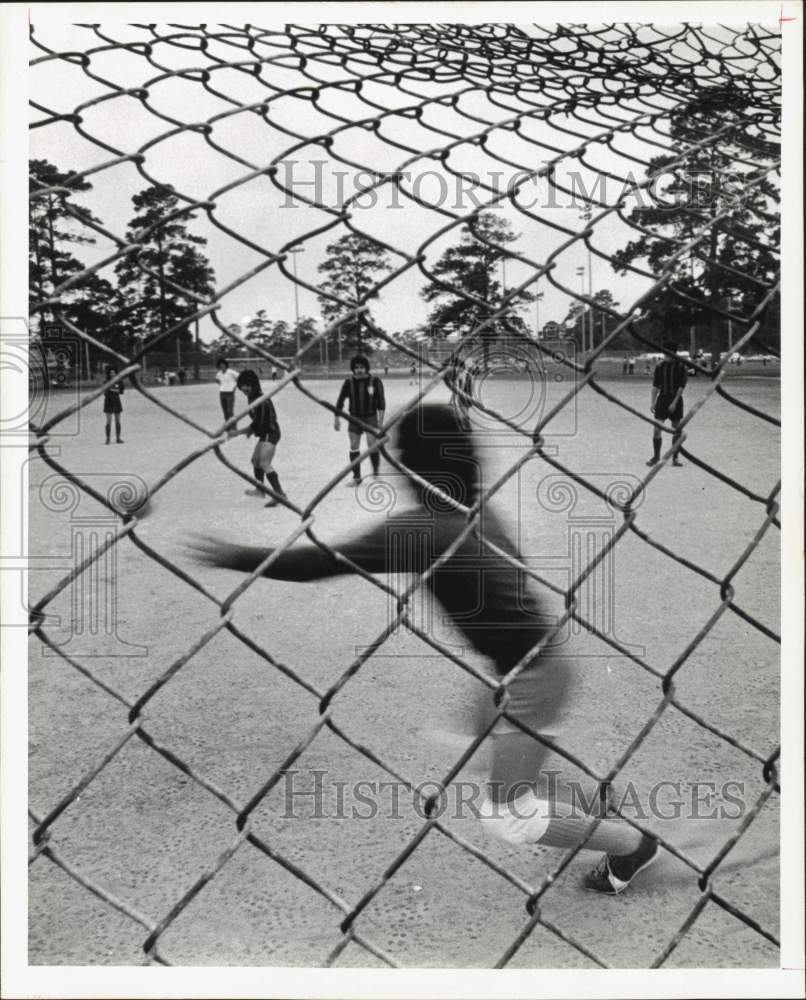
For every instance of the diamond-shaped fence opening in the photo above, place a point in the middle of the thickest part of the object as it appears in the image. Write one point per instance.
(649, 155)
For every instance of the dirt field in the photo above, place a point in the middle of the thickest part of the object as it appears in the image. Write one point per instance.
(145, 831)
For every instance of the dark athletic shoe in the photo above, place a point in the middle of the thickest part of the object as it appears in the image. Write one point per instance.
(678, 464)
(615, 871)
(353, 483)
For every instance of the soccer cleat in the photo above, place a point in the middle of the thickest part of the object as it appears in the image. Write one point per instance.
(615, 871)
(253, 493)
(353, 483)
(273, 502)
(652, 461)
(677, 463)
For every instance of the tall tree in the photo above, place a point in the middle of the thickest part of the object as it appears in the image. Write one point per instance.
(721, 187)
(471, 269)
(54, 227)
(352, 268)
(148, 303)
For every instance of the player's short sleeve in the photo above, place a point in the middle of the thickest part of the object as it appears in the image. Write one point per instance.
(682, 376)
(345, 391)
(657, 379)
(379, 394)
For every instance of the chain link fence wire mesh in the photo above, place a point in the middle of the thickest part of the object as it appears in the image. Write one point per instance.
(344, 121)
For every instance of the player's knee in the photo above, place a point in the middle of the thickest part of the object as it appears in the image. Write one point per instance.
(522, 821)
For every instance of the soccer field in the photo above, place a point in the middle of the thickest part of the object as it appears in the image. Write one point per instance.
(145, 832)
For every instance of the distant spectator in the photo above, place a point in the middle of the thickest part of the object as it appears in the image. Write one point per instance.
(182, 375)
(227, 379)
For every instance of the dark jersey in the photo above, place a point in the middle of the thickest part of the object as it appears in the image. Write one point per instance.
(112, 403)
(364, 396)
(669, 377)
(492, 602)
(264, 422)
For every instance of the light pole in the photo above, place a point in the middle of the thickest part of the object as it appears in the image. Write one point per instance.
(581, 273)
(538, 297)
(586, 216)
(294, 253)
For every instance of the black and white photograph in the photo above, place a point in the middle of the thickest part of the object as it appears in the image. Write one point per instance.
(402, 441)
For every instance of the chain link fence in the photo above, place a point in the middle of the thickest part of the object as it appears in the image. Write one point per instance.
(379, 103)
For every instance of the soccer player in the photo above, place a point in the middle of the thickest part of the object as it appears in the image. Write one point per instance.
(113, 405)
(227, 379)
(266, 428)
(668, 384)
(501, 613)
(366, 400)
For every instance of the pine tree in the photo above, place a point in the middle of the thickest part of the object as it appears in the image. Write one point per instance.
(352, 268)
(470, 270)
(726, 174)
(155, 298)
(54, 226)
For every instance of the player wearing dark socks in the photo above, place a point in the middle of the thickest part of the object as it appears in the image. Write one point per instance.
(366, 400)
(668, 384)
(266, 428)
(499, 610)
(356, 477)
(113, 405)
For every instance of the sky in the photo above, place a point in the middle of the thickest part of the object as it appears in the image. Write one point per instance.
(328, 143)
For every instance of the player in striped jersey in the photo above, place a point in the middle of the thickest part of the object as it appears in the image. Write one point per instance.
(667, 399)
(365, 399)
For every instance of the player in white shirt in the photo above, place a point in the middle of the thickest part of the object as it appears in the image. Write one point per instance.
(227, 379)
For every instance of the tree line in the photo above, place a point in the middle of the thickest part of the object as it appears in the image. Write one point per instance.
(718, 188)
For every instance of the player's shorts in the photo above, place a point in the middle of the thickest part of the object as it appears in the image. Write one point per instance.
(354, 428)
(662, 411)
(263, 454)
(113, 405)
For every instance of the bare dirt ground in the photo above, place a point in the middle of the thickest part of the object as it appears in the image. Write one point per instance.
(146, 832)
